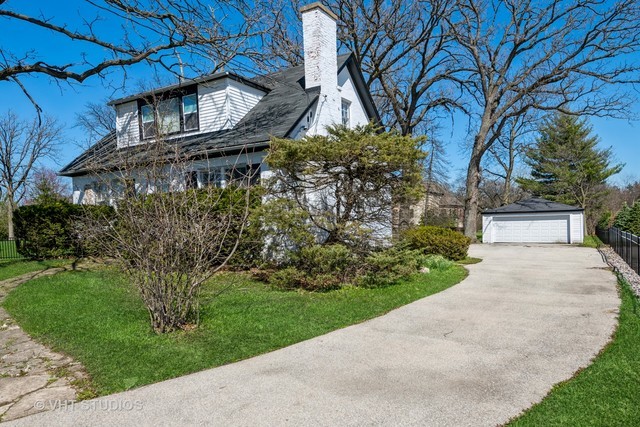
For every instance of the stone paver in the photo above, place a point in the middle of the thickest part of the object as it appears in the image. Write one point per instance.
(32, 377)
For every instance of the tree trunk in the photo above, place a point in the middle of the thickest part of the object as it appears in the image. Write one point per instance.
(473, 185)
(471, 198)
(10, 208)
(506, 191)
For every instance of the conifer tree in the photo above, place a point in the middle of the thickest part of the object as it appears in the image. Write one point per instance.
(568, 167)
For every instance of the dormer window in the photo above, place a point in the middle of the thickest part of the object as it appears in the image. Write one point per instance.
(190, 112)
(168, 118)
(169, 114)
(148, 121)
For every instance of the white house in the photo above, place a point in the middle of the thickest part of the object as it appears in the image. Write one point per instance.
(224, 121)
(533, 220)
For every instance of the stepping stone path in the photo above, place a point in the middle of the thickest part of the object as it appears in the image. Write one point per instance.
(32, 377)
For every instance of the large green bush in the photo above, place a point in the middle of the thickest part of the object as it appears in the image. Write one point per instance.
(318, 268)
(628, 218)
(322, 268)
(433, 240)
(49, 230)
(386, 267)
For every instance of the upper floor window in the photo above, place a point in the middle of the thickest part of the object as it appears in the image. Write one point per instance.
(148, 121)
(169, 115)
(346, 116)
(190, 112)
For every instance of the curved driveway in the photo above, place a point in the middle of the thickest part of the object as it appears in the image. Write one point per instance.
(479, 353)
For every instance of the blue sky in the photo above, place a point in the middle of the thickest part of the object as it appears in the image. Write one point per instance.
(64, 101)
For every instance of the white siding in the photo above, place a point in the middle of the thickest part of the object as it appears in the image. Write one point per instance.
(212, 106)
(242, 98)
(358, 114)
(577, 227)
(305, 125)
(127, 128)
(221, 105)
(317, 116)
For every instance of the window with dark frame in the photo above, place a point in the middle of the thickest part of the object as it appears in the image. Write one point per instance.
(244, 175)
(191, 180)
(213, 177)
(190, 112)
(148, 121)
(170, 114)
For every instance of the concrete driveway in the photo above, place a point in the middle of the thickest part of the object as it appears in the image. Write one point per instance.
(479, 353)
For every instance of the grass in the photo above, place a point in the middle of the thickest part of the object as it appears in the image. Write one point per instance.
(15, 268)
(469, 260)
(591, 242)
(97, 318)
(604, 394)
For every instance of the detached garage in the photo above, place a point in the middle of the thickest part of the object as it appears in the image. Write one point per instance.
(533, 221)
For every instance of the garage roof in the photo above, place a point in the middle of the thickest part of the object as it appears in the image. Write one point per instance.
(533, 205)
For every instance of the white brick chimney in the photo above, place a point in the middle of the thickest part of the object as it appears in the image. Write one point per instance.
(319, 31)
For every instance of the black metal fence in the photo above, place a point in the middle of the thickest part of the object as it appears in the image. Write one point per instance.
(625, 244)
(9, 249)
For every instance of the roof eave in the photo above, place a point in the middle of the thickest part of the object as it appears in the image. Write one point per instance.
(532, 212)
(361, 86)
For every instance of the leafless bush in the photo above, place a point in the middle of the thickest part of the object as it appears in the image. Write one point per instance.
(167, 237)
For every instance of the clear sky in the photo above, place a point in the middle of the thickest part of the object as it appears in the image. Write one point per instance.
(64, 101)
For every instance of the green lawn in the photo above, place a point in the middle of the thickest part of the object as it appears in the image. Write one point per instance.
(14, 268)
(469, 260)
(604, 394)
(591, 242)
(97, 318)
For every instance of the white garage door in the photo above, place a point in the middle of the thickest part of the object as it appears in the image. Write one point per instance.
(531, 229)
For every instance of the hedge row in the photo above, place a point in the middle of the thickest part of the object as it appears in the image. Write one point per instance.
(48, 230)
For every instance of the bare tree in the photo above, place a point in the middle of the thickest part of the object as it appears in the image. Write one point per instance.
(22, 145)
(505, 154)
(403, 48)
(173, 35)
(521, 55)
(436, 170)
(171, 230)
(97, 120)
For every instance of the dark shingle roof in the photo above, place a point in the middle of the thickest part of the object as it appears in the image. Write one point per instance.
(273, 116)
(533, 205)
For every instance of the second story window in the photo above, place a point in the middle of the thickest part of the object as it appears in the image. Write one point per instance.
(346, 116)
(169, 115)
(190, 112)
(148, 121)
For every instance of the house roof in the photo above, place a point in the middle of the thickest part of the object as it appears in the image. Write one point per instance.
(533, 205)
(275, 115)
(188, 82)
